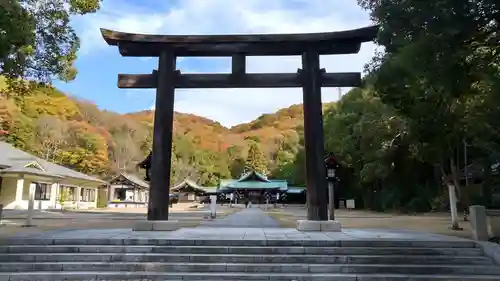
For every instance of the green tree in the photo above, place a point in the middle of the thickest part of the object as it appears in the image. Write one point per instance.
(36, 39)
(255, 159)
(237, 167)
(436, 56)
(373, 142)
(292, 171)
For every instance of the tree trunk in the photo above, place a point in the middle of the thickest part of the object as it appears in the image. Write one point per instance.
(453, 207)
(452, 197)
(461, 193)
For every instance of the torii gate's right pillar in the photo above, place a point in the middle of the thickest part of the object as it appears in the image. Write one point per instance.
(317, 204)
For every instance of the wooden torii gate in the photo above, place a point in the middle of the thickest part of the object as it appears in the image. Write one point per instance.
(167, 78)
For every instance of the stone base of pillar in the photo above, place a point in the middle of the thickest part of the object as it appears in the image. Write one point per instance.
(156, 226)
(327, 226)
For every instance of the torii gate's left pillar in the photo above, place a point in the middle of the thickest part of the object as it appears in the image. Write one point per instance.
(159, 193)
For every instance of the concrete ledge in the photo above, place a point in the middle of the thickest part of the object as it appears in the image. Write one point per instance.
(479, 223)
(156, 226)
(491, 250)
(481, 218)
(307, 225)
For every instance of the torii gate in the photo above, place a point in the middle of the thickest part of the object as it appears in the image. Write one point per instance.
(311, 78)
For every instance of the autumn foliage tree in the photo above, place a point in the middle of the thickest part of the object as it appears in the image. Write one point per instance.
(255, 161)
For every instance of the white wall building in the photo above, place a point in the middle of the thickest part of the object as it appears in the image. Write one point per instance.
(52, 186)
(127, 190)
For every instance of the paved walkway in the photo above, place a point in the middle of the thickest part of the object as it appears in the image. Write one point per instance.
(246, 218)
(235, 233)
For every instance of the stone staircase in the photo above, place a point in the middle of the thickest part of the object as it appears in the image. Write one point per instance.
(184, 259)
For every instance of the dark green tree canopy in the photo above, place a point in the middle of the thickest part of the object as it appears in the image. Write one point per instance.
(36, 39)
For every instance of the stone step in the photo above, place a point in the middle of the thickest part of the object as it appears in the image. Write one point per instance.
(242, 250)
(13, 267)
(241, 242)
(129, 276)
(232, 258)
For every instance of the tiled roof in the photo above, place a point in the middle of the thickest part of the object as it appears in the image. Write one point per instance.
(209, 188)
(132, 178)
(269, 184)
(254, 174)
(11, 157)
(189, 183)
(27, 170)
(295, 190)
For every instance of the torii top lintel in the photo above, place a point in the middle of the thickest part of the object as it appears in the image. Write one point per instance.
(326, 43)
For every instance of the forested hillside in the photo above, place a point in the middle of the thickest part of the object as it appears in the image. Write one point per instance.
(385, 162)
(76, 133)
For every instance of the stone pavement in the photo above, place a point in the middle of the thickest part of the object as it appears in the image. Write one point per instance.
(251, 223)
(438, 223)
(242, 233)
(248, 218)
(112, 213)
(13, 220)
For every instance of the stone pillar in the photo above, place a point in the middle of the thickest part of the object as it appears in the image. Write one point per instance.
(111, 193)
(78, 195)
(53, 194)
(479, 223)
(94, 198)
(331, 201)
(19, 193)
(31, 205)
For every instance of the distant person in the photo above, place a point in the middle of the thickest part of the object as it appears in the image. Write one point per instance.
(283, 199)
(231, 200)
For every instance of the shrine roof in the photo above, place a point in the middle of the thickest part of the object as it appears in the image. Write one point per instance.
(338, 42)
(129, 179)
(295, 189)
(253, 176)
(281, 185)
(187, 183)
(256, 185)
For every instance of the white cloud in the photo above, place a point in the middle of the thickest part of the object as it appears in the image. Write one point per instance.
(231, 106)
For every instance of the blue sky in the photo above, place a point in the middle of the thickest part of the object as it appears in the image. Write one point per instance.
(98, 64)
